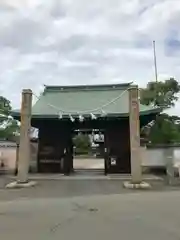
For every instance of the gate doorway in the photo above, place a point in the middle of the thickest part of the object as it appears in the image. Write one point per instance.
(88, 152)
(108, 149)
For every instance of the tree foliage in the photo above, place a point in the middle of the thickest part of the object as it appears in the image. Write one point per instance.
(12, 129)
(8, 126)
(166, 129)
(5, 106)
(163, 94)
(82, 144)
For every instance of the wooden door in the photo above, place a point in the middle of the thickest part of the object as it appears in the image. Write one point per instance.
(118, 149)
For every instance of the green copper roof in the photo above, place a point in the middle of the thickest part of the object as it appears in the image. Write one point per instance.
(77, 99)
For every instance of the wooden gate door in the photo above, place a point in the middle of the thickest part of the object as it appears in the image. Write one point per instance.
(53, 152)
(117, 150)
(68, 156)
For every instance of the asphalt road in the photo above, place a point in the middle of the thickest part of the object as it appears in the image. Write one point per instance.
(94, 208)
(142, 215)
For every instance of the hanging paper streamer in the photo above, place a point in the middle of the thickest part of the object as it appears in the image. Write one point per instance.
(71, 118)
(93, 117)
(60, 115)
(103, 113)
(81, 118)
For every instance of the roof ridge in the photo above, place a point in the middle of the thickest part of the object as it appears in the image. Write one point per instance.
(88, 87)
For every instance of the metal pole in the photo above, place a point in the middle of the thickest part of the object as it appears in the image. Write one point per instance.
(24, 146)
(168, 151)
(155, 62)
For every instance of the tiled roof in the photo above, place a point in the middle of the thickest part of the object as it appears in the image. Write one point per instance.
(76, 99)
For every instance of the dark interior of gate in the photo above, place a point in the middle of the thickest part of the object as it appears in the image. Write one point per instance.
(55, 153)
(117, 144)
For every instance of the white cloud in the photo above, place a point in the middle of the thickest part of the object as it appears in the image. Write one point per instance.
(75, 42)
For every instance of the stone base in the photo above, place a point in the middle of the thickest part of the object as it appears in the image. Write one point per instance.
(142, 185)
(13, 185)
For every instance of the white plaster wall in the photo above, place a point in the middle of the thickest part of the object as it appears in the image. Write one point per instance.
(8, 157)
(155, 157)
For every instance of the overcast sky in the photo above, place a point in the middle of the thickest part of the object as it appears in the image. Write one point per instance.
(80, 41)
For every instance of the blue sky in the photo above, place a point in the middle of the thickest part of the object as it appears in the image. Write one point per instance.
(80, 41)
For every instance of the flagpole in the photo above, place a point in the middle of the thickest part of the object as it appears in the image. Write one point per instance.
(155, 62)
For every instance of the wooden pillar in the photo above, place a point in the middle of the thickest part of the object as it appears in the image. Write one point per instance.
(24, 146)
(134, 125)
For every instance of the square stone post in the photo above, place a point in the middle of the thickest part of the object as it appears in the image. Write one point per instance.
(134, 127)
(24, 146)
(170, 170)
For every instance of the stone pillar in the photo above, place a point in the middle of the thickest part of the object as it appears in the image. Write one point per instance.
(134, 126)
(169, 158)
(24, 146)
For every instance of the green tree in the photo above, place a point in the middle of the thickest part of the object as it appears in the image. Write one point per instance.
(5, 106)
(82, 144)
(8, 126)
(165, 128)
(164, 131)
(163, 94)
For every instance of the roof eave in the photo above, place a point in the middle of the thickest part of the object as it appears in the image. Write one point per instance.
(109, 115)
(86, 87)
(90, 85)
